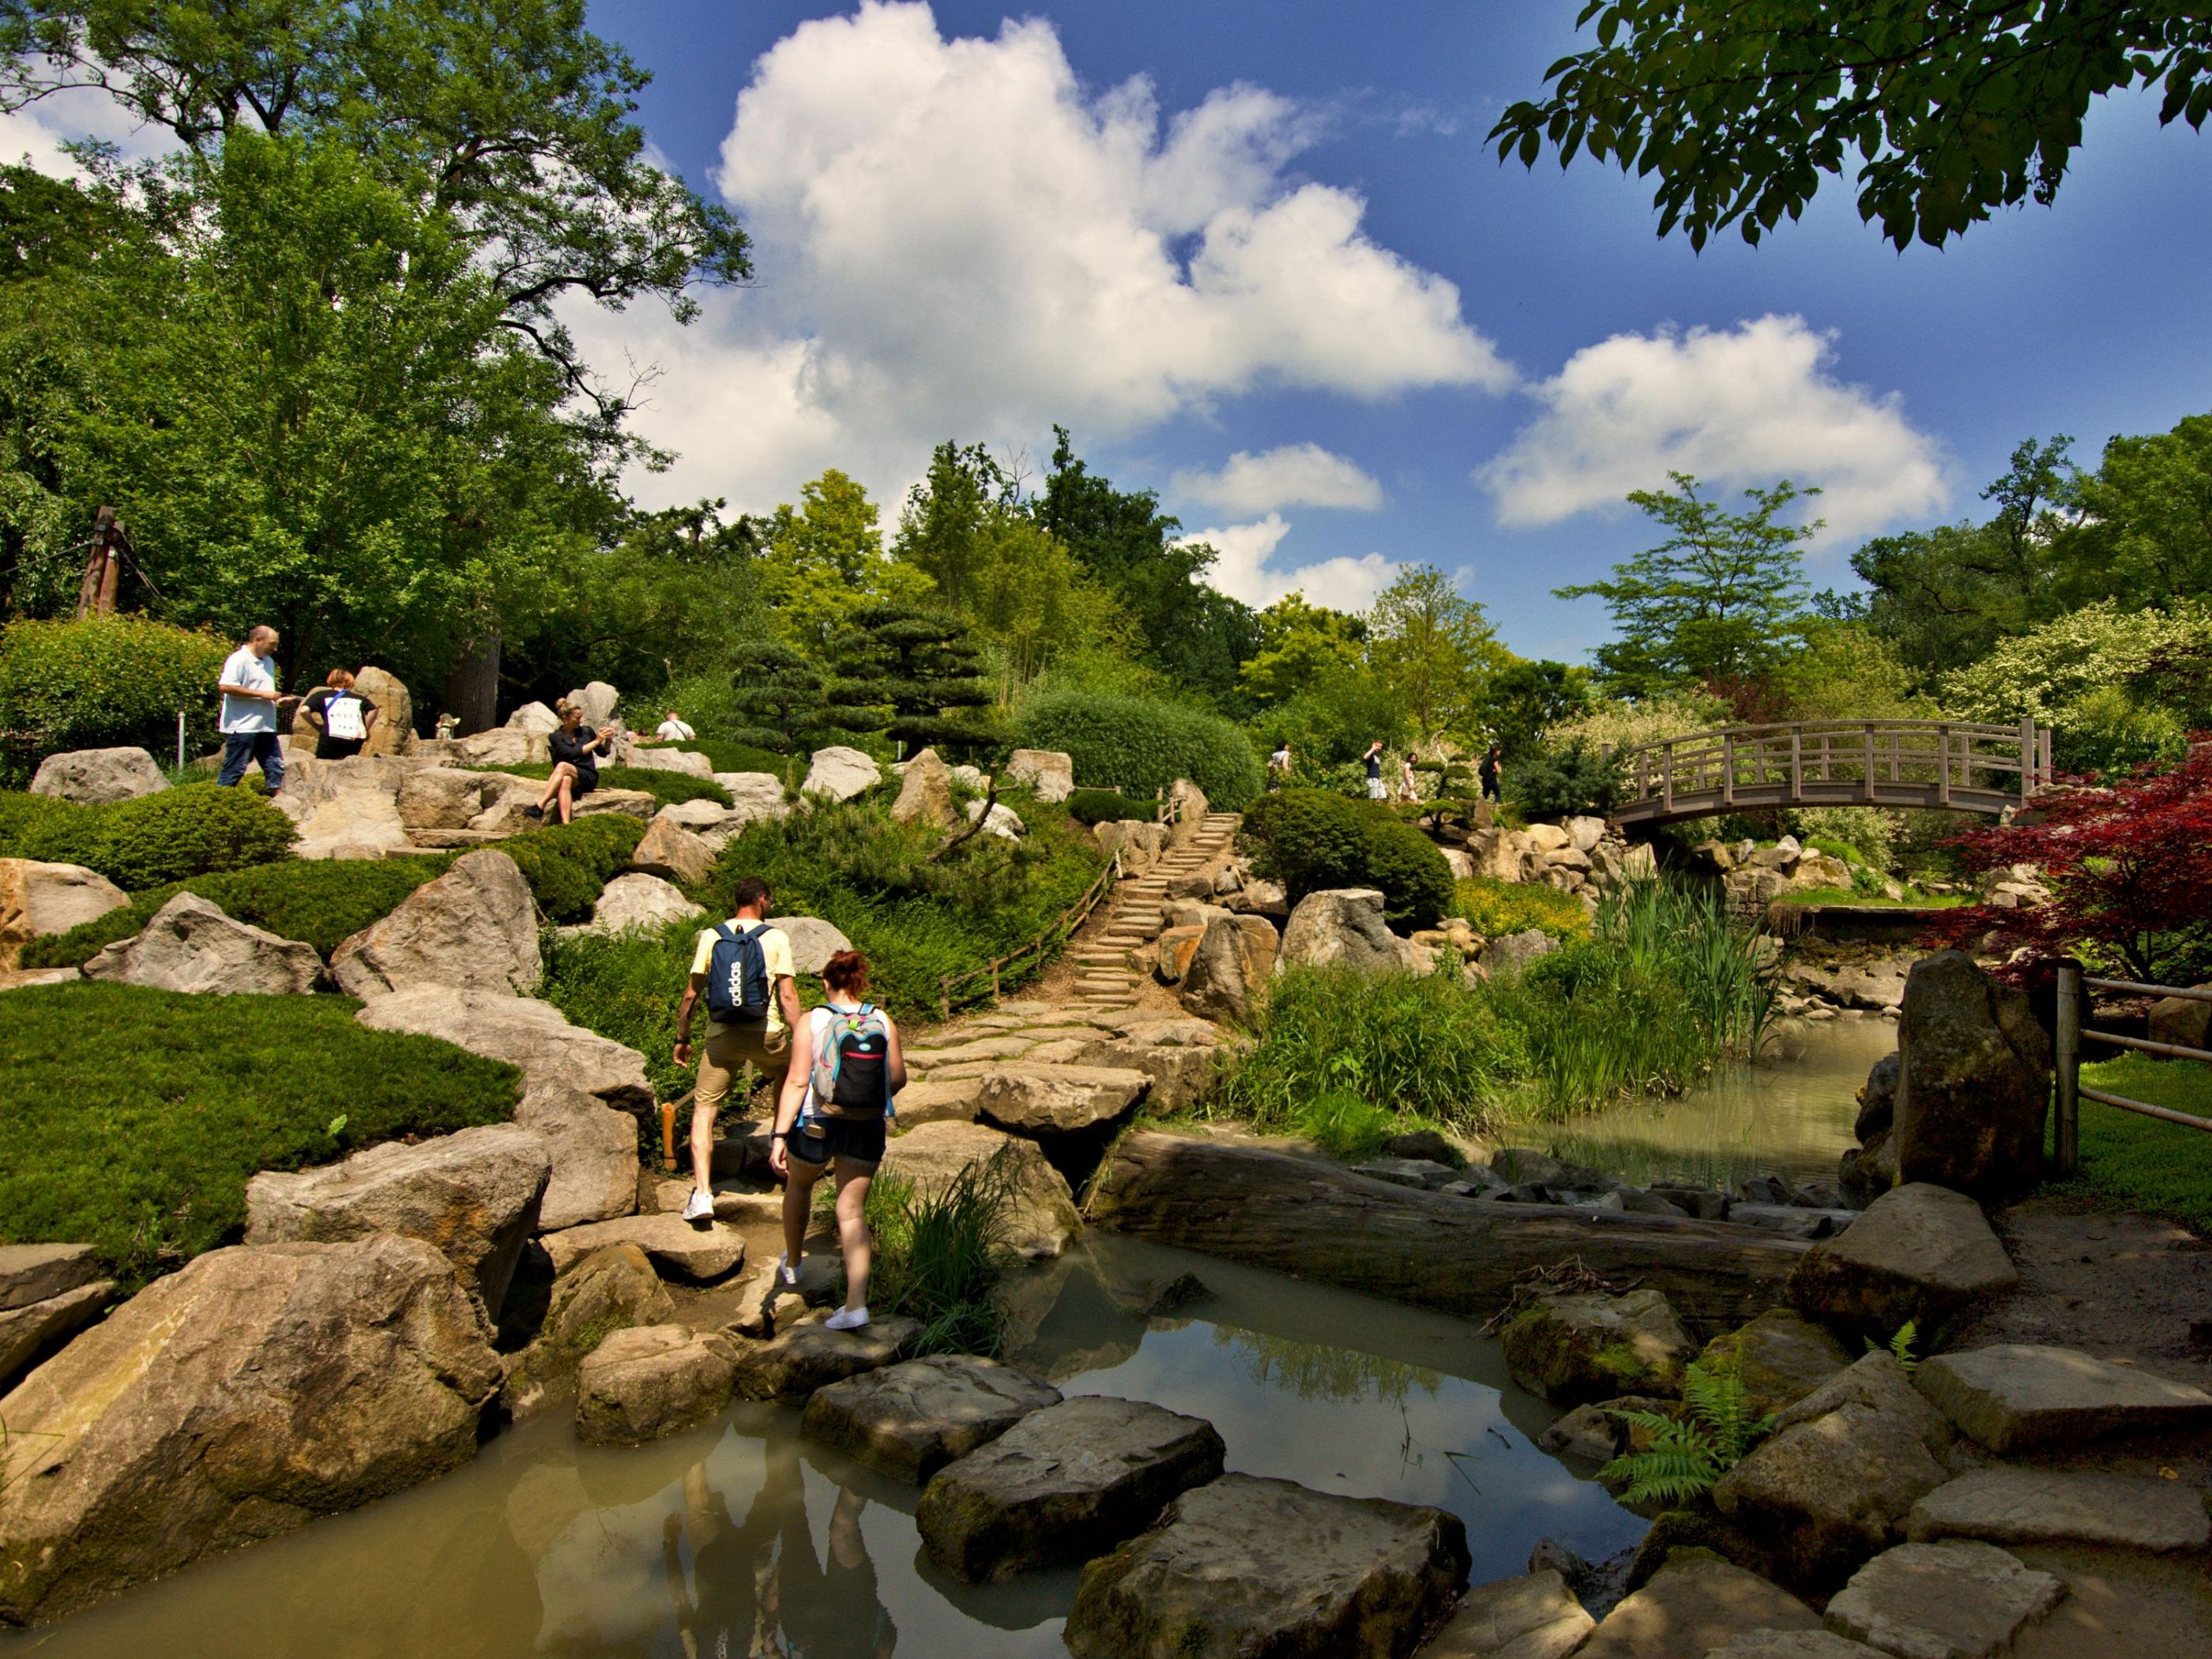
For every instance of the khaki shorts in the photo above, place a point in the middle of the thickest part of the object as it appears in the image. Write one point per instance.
(728, 1049)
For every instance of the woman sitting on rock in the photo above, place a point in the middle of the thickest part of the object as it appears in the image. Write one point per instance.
(575, 770)
(846, 1064)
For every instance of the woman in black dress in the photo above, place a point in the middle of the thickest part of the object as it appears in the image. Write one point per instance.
(574, 747)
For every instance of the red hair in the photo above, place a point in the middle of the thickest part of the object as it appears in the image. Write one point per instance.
(846, 971)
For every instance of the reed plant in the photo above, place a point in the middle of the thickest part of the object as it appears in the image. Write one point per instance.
(941, 1253)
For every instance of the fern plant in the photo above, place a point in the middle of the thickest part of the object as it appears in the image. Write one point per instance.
(1689, 1454)
(1901, 1345)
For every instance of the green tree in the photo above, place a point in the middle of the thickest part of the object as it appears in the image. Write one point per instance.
(1716, 604)
(823, 560)
(1524, 700)
(1952, 110)
(914, 675)
(782, 700)
(1300, 644)
(2144, 532)
(1848, 671)
(1435, 648)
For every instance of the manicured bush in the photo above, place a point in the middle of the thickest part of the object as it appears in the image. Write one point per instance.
(1136, 744)
(1108, 807)
(134, 1118)
(104, 682)
(667, 787)
(322, 901)
(195, 830)
(1567, 780)
(730, 756)
(30, 824)
(1313, 839)
(1494, 909)
(568, 864)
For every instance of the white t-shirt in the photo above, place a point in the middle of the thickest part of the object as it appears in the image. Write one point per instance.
(674, 731)
(240, 714)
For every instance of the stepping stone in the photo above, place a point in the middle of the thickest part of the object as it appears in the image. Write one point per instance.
(650, 1380)
(1918, 1252)
(940, 1098)
(2020, 1394)
(811, 1356)
(910, 1419)
(2062, 1506)
(1692, 1604)
(1059, 1099)
(1792, 1644)
(673, 1245)
(1248, 1565)
(1956, 1600)
(991, 1047)
(1533, 1618)
(1061, 1485)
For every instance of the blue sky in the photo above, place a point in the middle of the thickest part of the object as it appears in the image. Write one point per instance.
(962, 230)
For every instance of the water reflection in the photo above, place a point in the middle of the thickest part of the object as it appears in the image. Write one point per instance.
(1313, 1371)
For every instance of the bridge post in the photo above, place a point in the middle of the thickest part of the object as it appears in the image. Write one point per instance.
(1943, 766)
(1728, 770)
(1797, 764)
(2026, 758)
(1867, 781)
(1667, 773)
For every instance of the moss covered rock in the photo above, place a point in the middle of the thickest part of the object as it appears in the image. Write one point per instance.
(1781, 1356)
(1578, 1348)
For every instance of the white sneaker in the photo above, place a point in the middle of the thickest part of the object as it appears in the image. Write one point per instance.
(785, 1273)
(700, 1206)
(847, 1319)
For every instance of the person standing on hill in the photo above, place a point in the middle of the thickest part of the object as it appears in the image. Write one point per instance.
(341, 717)
(1279, 765)
(742, 970)
(673, 729)
(248, 684)
(1409, 788)
(1488, 772)
(1374, 763)
(574, 747)
(846, 1064)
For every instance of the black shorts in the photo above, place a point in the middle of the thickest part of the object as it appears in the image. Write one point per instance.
(861, 1138)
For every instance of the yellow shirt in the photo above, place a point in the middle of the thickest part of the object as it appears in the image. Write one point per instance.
(775, 946)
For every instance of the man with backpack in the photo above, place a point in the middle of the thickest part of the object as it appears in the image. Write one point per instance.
(742, 970)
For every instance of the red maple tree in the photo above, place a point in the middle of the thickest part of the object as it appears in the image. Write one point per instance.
(2129, 868)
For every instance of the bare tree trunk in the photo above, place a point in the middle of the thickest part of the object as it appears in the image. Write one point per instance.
(472, 686)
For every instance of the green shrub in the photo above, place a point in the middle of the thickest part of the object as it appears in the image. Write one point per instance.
(1494, 909)
(1569, 780)
(134, 1118)
(940, 1255)
(728, 755)
(667, 787)
(1106, 807)
(1136, 744)
(322, 901)
(31, 826)
(627, 987)
(1312, 839)
(1833, 848)
(195, 830)
(104, 682)
(567, 866)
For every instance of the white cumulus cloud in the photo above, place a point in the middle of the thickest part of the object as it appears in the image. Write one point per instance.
(956, 238)
(1243, 571)
(1291, 474)
(1740, 406)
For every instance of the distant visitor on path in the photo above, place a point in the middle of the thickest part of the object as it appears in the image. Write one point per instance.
(574, 747)
(1374, 763)
(1493, 763)
(248, 686)
(341, 717)
(846, 1064)
(742, 970)
(673, 730)
(1279, 765)
(1408, 789)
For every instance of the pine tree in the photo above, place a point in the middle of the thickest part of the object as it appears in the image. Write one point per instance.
(782, 698)
(914, 675)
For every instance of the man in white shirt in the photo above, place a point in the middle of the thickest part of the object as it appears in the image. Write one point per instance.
(249, 711)
(673, 730)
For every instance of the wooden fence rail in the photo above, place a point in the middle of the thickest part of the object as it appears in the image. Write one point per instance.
(2072, 983)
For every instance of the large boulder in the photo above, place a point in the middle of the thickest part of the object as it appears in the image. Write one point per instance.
(1058, 1100)
(1251, 1566)
(1065, 1480)
(1534, 1617)
(1918, 1252)
(611, 1290)
(593, 1150)
(813, 941)
(190, 945)
(434, 799)
(1048, 773)
(1234, 960)
(473, 1196)
(535, 718)
(1188, 806)
(909, 1420)
(1510, 954)
(670, 851)
(648, 1380)
(38, 899)
(1584, 1347)
(1691, 1606)
(690, 762)
(1043, 1218)
(1340, 925)
(2017, 1395)
(1973, 1080)
(676, 1248)
(98, 776)
(841, 773)
(712, 821)
(598, 700)
(926, 793)
(1780, 1357)
(1183, 1057)
(395, 711)
(640, 904)
(347, 808)
(754, 795)
(2008, 1505)
(524, 1032)
(508, 745)
(1956, 1600)
(473, 929)
(2185, 1022)
(235, 1400)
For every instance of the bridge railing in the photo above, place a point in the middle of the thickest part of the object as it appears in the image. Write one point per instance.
(1918, 762)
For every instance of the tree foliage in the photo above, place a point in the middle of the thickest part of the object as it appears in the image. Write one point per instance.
(823, 560)
(914, 675)
(780, 698)
(1300, 644)
(1946, 112)
(1435, 647)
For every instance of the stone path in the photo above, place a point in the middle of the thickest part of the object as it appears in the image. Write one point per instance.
(1106, 953)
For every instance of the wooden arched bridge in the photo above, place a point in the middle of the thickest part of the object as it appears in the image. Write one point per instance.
(1950, 765)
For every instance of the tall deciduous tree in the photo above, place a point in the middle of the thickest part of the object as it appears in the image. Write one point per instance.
(1716, 605)
(1301, 644)
(1434, 646)
(1946, 111)
(823, 560)
(1524, 700)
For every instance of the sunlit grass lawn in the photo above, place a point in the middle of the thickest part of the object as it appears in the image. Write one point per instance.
(2139, 1161)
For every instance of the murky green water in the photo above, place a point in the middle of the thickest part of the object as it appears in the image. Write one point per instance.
(1792, 1112)
(744, 1540)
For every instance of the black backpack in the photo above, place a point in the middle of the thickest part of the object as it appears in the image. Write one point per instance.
(737, 975)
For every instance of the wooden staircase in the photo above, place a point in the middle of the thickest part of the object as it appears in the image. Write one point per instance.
(1108, 957)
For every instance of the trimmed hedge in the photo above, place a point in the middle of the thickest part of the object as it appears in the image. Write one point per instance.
(104, 682)
(667, 787)
(194, 830)
(1137, 744)
(1313, 839)
(1108, 807)
(568, 864)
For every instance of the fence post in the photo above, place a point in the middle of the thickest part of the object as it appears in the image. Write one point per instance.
(2067, 1051)
(180, 739)
(2027, 759)
(1666, 773)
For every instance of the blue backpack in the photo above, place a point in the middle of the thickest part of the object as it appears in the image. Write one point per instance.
(737, 975)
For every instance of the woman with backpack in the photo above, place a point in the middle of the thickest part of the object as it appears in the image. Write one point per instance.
(341, 717)
(835, 1109)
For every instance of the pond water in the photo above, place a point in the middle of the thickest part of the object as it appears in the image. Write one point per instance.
(1791, 1113)
(742, 1539)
